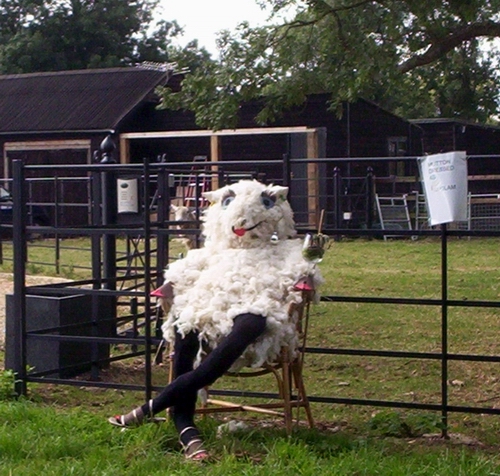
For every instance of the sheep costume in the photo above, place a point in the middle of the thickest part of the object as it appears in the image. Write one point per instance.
(250, 264)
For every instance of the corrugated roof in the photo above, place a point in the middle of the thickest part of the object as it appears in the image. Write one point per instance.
(73, 100)
(447, 120)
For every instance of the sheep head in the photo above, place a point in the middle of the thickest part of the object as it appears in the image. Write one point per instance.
(182, 213)
(246, 214)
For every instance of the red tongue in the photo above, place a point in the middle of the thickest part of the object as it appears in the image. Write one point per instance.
(239, 231)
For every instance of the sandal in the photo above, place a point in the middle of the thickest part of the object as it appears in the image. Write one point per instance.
(193, 450)
(134, 418)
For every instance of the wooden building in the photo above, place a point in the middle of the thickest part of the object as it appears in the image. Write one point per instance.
(62, 117)
(362, 130)
(481, 143)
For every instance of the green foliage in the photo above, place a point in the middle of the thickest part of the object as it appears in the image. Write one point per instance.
(38, 35)
(391, 423)
(418, 59)
(7, 383)
(34, 268)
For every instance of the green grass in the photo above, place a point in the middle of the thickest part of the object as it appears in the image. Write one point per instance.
(62, 430)
(48, 440)
(71, 258)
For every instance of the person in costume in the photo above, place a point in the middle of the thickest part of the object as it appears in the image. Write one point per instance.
(227, 304)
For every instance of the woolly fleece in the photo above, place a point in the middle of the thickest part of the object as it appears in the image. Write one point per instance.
(241, 270)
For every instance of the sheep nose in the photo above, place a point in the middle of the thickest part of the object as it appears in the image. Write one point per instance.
(241, 222)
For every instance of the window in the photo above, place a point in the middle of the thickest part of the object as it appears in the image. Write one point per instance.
(397, 147)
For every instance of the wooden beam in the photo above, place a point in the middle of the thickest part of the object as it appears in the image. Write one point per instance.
(413, 178)
(48, 145)
(484, 177)
(73, 144)
(214, 157)
(209, 133)
(490, 200)
(5, 164)
(124, 150)
(397, 179)
(312, 179)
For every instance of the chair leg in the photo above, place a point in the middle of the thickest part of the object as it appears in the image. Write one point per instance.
(301, 390)
(287, 399)
(170, 363)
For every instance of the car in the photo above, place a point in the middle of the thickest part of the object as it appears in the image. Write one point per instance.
(37, 214)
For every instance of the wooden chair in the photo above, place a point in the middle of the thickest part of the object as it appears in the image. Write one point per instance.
(287, 373)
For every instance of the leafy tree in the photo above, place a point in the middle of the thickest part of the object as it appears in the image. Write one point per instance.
(413, 57)
(51, 35)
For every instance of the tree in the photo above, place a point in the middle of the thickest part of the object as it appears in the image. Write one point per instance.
(413, 57)
(51, 35)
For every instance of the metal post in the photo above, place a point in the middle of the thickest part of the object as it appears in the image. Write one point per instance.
(444, 330)
(369, 198)
(57, 238)
(95, 217)
(337, 199)
(109, 213)
(147, 286)
(134, 311)
(287, 171)
(96, 190)
(163, 208)
(20, 256)
(221, 176)
(104, 214)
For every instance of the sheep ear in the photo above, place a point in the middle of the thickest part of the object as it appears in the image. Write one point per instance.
(279, 192)
(210, 196)
(174, 208)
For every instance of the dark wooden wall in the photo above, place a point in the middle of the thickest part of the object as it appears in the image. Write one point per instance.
(362, 130)
(68, 185)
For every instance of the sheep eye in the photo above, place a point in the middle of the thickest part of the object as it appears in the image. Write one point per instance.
(267, 200)
(227, 199)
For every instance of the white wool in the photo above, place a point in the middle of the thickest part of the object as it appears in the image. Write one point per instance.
(236, 274)
(184, 214)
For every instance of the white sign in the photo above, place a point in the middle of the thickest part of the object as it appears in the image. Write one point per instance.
(444, 180)
(128, 196)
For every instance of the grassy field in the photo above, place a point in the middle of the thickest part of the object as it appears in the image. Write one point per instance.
(62, 430)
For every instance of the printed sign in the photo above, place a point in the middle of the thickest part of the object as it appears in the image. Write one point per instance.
(444, 180)
(128, 196)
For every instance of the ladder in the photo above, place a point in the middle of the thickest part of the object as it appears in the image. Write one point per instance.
(421, 216)
(393, 213)
(198, 176)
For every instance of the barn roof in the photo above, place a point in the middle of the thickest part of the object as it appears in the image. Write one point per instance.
(71, 101)
(453, 121)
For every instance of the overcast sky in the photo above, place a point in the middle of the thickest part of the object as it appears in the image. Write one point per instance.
(202, 19)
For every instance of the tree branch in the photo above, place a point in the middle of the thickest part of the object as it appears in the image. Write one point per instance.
(442, 46)
(346, 7)
(332, 10)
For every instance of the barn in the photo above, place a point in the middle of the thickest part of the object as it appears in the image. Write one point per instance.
(480, 141)
(63, 117)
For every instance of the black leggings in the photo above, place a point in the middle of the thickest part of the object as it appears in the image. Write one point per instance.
(180, 395)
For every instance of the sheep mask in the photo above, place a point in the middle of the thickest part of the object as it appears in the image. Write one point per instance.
(247, 228)
(247, 214)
